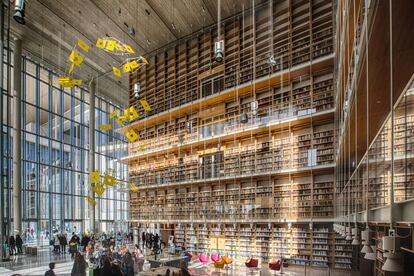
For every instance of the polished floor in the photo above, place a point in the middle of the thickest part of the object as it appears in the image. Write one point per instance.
(37, 265)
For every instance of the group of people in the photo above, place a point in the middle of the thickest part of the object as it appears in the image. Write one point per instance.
(14, 243)
(151, 241)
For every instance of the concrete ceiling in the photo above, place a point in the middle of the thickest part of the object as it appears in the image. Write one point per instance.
(53, 27)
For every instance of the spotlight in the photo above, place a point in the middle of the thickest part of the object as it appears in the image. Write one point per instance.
(219, 50)
(272, 61)
(19, 12)
(371, 254)
(137, 89)
(391, 246)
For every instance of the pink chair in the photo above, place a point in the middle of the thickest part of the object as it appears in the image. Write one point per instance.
(203, 258)
(215, 257)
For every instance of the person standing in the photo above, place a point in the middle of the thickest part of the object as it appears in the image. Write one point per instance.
(19, 244)
(143, 239)
(12, 244)
(79, 265)
(63, 243)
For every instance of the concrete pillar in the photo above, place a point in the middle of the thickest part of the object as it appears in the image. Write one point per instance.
(2, 205)
(17, 139)
(92, 150)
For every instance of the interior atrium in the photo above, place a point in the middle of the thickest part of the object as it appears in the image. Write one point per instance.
(207, 137)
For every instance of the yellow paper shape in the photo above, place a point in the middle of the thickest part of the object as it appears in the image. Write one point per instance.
(119, 47)
(64, 80)
(141, 148)
(76, 58)
(121, 119)
(113, 114)
(77, 82)
(101, 43)
(98, 189)
(131, 114)
(91, 200)
(131, 135)
(116, 71)
(127, 67)
(105, 127)
(110, 45)
(144, 60)
(94, 177)
(145, 105)
(72, 65)
(109, 180)
(133, 188)
(134, 65)
(82, 44)
(129, 49)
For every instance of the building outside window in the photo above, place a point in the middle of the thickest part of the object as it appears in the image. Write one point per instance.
(55, 153)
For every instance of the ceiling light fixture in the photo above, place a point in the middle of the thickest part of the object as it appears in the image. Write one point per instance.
(19, 8)
(173, 26)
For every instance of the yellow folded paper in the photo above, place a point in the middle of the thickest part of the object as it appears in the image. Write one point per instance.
(121, 119)
(131, 135)
(143, 60)
(72, 65)
(134, 65)
(91, 200)
(133, 188)
(127, 67)
(145, 105)
(119, 47)
(109, 180)
(141, 148)
(129, 49)
(68, 82)
(76, 58)
(110, 45)
(101, 43)
(82, 44)
(116, 71)
(105, 127)
(113, 114)
(94, 177)
(131, 114)
(98, 189)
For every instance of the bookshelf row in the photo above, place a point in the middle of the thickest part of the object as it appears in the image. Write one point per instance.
(380, 159)
(301, 148)
(289, 197)
(291, 33)
(303, 96)
(296, 242)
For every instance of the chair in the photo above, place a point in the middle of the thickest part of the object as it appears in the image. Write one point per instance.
(252, 263)
(203, 258)
(227, 260)
(275, 265)
(215, 257)
(220, 264)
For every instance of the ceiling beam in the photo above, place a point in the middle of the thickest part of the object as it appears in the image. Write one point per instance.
(162, 20)
(142, 49)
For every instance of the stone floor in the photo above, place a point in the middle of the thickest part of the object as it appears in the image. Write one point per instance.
(37, 265)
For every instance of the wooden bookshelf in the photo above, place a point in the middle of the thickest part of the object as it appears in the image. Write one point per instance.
(235, 150)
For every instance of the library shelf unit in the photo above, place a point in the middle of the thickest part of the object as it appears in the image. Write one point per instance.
(242, 150)
(312, 243)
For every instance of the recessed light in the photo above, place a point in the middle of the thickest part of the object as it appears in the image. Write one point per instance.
(378, 102)
(173, 26)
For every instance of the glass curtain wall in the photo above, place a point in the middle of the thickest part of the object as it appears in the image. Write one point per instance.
(55, 153)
